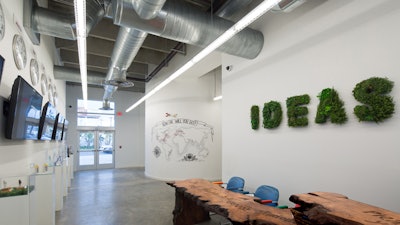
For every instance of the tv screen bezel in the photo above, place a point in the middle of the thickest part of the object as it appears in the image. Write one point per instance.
(14, 108)
(45, 119)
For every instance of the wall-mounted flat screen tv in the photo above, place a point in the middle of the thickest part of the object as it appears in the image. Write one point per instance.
(58, 128)
(23, 113)
(65, 129)
(1, 67)
(47, 122)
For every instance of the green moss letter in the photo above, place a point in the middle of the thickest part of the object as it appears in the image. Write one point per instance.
(377, 106)
(272, 114)
(295, 112)
(255, 117)
(330, 106)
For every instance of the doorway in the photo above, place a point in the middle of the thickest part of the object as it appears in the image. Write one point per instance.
(96, 149)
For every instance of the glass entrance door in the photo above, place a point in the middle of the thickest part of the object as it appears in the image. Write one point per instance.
(96, 149)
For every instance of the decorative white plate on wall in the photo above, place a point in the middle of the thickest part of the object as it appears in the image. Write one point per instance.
(43, 83)
(19, 51)
(50, 92)
(34, 70)
(2, 23)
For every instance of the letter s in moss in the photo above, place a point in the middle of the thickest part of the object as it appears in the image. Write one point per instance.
(371, 92)
(255, 117)
(272, 114)
(330, 106)
(295, 112)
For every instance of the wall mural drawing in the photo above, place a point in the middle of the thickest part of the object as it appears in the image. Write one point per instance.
(180, 139)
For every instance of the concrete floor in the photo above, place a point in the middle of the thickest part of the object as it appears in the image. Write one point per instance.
(117, 197)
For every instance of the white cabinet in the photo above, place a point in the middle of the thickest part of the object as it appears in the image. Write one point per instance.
(14, 210)
(44, 204)
(59, 187)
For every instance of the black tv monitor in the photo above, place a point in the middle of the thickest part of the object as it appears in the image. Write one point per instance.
(65, 129)
(1, 67)
(58, 128)
(47, 122)
(24, 109)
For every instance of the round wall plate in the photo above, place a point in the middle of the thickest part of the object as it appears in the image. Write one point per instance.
(2, 23)
(43, 83)
(50, 92)
(34, 70)
(19, 51)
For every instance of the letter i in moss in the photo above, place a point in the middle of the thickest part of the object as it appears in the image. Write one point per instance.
(330, 106)
(255, 117)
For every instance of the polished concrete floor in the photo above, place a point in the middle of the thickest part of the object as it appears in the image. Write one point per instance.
(117, 197)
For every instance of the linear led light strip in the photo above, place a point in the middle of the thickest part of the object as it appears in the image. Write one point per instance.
(240, 25)
(80, 21)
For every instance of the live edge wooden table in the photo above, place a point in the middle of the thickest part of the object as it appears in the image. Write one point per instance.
(195, 198)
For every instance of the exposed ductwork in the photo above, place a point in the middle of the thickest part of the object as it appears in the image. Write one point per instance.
(229, 8)
(179, 21)
(287, 5)
(147, 9)
(126, 47)
(73, 75)
(61, 25)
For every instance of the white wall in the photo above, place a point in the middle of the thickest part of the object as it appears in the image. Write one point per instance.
(321, 44)
(188, 97)
(18, 156)
(129, 128)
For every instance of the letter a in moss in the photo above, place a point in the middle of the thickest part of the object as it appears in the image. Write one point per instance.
(371, 92)
(330, 106)
(295, 112)
(255, 117)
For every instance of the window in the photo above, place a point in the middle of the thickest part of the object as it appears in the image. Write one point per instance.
(94, 116)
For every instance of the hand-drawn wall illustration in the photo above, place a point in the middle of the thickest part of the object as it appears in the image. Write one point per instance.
(182, 139)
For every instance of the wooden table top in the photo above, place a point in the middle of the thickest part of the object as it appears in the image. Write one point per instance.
(332, 208)
(237, 207)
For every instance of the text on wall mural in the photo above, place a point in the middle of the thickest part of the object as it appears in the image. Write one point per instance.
(377, 106)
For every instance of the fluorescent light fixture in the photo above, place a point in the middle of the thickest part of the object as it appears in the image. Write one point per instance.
(216, 98)
(236, 28)
(80, 22)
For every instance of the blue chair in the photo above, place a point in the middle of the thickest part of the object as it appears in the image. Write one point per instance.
(269, 195)
(235, 184)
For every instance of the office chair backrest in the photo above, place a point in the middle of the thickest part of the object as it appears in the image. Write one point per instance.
(265, 192)
(235, 184)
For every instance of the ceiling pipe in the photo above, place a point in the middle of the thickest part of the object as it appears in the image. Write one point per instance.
(125, 49)
(147, 9)
(229, 8)
(62, 25)
(182, 22)
(73, 75)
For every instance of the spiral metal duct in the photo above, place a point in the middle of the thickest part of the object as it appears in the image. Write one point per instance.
(179, 21)
(61, 25)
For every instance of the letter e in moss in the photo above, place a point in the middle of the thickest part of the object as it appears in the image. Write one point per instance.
(296, 112)
(372, 93)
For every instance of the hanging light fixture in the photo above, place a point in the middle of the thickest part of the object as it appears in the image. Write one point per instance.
(80, 23)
